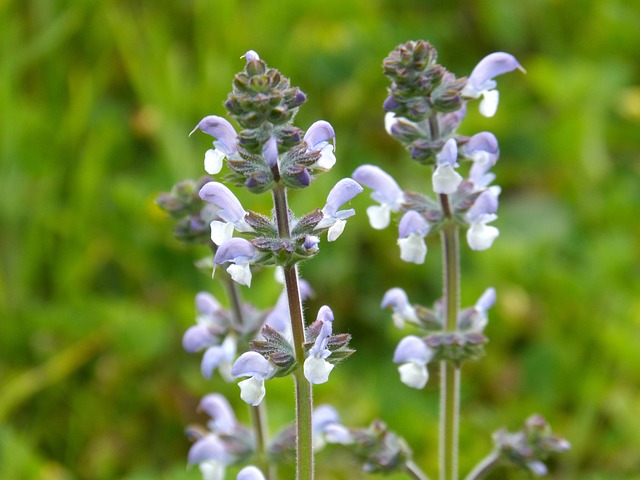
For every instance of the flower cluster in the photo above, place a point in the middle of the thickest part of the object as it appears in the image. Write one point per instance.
(413, 353)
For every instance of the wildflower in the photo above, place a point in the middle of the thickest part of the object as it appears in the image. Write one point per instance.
(225, 144)
(445, 178)
(482, 148)
(480, 236)
(397, 299)
(229, 210)
(317, 139)
(481, 83)
(335, 220)
(240, 253)
(270, 151)
(475, 319)
(258, 369)
(414, 355)
(327, 428)
(385, 191)
(316, 368)
(250, 473)
(412, 230)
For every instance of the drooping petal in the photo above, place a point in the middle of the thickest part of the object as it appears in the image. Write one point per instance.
(196, 338)
(252, 390)
(230, 208)
(379, 216)
(489, 103)
(250, 473)
(481, 236)
(413, 249)
(251, 364)
(413, 374)
(220, 129)
(482, 148)
(490, 67)
(385, 189)
(320, 131)
(412, 349)
(223, 420)
(235, 250)
(446, 180)
(317, 370)
(213, 161)
(343, 191)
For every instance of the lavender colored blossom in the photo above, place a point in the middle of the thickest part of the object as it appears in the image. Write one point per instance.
(327, 427)
(229, 210)
(225, 144)
(482, 148)
(250, 56)
(414, 355)
(481, 236)
(223, 420)
(258, 369)
(270, 151)
(396, 299)
(412, 230)
(250, 473)
(316, 368)
(220, 356)
(318, 138)
(481, 83)
(209, 448)
(335, 219)
(385, 191)
(445, 178)
(240, 253)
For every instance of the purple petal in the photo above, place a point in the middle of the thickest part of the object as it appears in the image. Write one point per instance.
(483, 147)
(491, 66)
(251, 364)
(270, 151)
(220, 129)
(218, 194)
(412, 222)
(341, 193)
(207, 304)
(412, 349)
(196, 338)
(323, 416)
(384, 186)
(250, 56)
(250, 473)
(233, 250)
(208, 448)
(449, 153)
(485, 204)
(320, 131)
(211, 360)
(486, 300)
(325, 315)
(219, 409)
(396, 298)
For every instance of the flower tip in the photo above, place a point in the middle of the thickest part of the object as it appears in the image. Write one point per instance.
(250, 56)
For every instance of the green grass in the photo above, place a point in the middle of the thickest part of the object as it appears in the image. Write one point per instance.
(96, 101)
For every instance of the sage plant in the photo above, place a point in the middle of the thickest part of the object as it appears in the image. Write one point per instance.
(269, 154)
(425, 107)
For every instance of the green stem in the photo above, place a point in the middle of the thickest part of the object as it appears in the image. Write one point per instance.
(304, 398)
(450, 373)
(485, 466)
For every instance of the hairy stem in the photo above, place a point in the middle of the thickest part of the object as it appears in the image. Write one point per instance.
(304, 398)
(485, 466)
(450, 374)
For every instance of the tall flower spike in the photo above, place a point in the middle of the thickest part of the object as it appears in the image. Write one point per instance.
(480, 236)
(240, 253)
(412, 230)
(317, 139)
(445, 178)
(414, 355)
(385, 191)
(225, 144)
(316, 368)
(481, 83)
(258, 369)
(396, 299)
(230, 211)
(335, 220)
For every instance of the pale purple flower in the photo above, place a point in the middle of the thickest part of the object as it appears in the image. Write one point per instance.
(223, 420)
(240, 253)
(482, 148)
(209, 448)
(445, 178)
(225, 144)
(481, 236)
(229, 210)
(335, 219)
(327, 427)
(250, 473)
(414, 355)
(250, 56)
(316, 368)
(385, 191)
(258, 369)
(221, 357)
(475, 319)
(318, 138)
(481, 83)
(270, 151)
(412, 230)
(396, 299)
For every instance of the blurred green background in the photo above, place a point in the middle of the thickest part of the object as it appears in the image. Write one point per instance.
(96, 101)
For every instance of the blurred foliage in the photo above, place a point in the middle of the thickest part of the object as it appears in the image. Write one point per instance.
(96, 101)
